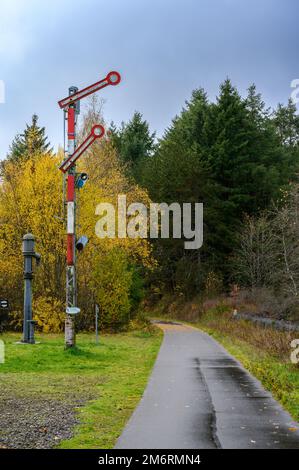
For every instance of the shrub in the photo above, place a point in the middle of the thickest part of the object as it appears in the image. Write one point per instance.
(113, 282)
(48, 312)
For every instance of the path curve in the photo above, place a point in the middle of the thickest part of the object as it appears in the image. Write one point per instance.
(200, 397)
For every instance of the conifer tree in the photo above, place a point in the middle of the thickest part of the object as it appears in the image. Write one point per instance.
(133, 142)
(229, 155)
(287, 124)
(31, 142)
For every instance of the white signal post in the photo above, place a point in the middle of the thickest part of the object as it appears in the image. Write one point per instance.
(71, 107)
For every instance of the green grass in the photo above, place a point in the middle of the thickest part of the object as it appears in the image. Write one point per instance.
(109, 378)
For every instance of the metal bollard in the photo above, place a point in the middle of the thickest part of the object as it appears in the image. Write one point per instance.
(29, 254)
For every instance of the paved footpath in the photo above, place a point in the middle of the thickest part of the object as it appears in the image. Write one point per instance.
(200, 397)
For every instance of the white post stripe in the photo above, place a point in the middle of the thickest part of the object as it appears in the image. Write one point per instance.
(71, 146)
(70, 217)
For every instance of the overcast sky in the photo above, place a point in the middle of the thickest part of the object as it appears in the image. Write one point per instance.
(163, 49)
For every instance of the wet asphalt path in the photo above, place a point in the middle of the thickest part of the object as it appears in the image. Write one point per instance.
(200, 397)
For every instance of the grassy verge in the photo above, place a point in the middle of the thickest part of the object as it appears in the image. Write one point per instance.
(104, 382)
(263, 351)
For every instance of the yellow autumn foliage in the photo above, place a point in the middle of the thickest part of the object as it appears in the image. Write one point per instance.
(31, 200)
(48, 313)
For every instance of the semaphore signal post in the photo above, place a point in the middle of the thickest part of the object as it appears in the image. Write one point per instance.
(71, 107)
